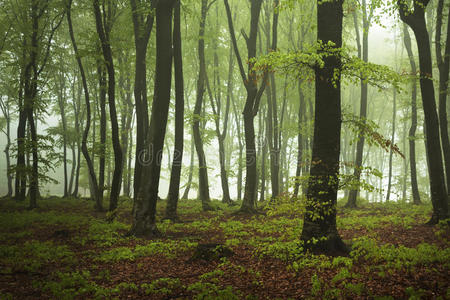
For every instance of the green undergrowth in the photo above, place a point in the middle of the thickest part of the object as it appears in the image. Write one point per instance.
(70, 252)
(168, 248)
(33, 256)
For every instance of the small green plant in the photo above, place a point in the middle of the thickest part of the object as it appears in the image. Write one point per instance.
(33, 255)
(72, 285)
(162, 286)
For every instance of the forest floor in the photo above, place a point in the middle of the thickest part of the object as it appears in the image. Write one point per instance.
(65, 250)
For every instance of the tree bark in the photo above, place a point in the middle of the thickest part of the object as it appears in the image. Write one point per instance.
(320, 215)
(412, 129)
(174, 186)
(363, 52)
(252, 102)
(394, 113)
(191, 170)
(416, 20)
(92, 177)
(103, 31)
(142, 25)
(203, 171)
(144, 217)
(5, 107)
(62, 103)
(273, 125)
(443, 66)
(301, 108)
(102, 86)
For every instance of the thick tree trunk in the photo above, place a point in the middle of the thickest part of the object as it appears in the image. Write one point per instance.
(416, 20)
(174, 186)
(142, 25)
(320, 215)
(144, 217)
(412, 129)
(443, 65)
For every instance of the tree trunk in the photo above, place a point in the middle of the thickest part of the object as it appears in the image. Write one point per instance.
(101, 73)
(412, 129)
(62, 111)
(363, 52)
(144, 218)
(203, 171)
(21, 178)
(142, 25)
(443, 66)
(394, 113)
(416, 20)
(320, 215)
(241, 148)
(273, 126)
(191, 170)
(174, 186)
(103, 31)
(301, 108)
(84, 149)
(251, 104)
(5, 108)
(78, 128)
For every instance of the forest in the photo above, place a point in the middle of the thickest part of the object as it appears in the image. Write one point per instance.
(224, 149)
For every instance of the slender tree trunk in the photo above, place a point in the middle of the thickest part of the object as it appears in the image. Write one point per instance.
(103, 31)
(84, 149)
(416, 20)
(174, 186)
(394, 113)
(78, 129)
(20, 178)
(191, 170)
(101, 73)
(5, 108)
(320, 215)
(30, 93)
(216, 104)
(363, 52)
(144, 218)
(412, 129)
(127, 187)
(203, 171)
(301, 108)
(273, 128)
(252, 101)
(62, 111)
(241, 148)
